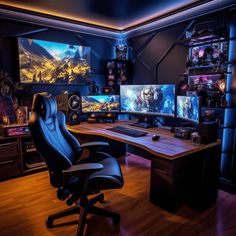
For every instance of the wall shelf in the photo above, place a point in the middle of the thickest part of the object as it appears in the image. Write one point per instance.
(196, 42)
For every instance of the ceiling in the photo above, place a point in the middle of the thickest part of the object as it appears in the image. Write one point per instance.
(111, 14)
(117, 19)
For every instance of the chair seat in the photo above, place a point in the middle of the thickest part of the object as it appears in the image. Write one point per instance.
(109, 177)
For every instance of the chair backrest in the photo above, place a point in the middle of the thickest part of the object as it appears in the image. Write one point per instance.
(57, 146)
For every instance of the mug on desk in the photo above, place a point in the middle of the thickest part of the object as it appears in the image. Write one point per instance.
(195, 138)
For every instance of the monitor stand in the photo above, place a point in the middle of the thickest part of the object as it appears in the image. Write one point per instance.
(144, 122)
(142, 125)
(102, 118)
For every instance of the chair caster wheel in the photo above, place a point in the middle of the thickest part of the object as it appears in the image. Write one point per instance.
(49, 223)
(101, 199)
(116, 220)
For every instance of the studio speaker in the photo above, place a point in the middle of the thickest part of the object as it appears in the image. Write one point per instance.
(70, 104)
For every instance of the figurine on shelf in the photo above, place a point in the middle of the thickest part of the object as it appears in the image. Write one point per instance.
(190, 33)
(183, 85)
(222, 102)
(222, 85)
(93, 88)
(21, 115)
(5, 119)
(121, 51)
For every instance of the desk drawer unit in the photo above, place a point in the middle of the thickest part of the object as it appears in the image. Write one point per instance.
(191, 179)
(8, 149)
(9, 160)
(162, 189)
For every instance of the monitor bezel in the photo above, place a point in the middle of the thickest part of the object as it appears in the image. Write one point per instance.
(96, 112)
(199, 110)
(149, 113)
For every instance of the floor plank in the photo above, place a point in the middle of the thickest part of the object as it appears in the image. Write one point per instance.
(25, 203)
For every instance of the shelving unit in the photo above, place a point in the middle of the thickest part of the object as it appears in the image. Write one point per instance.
(226, 182)
(208, 36)
(19, 157)
(118, 72)
(225, 69)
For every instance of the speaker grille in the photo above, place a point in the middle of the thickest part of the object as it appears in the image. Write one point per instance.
(74, 102)
(74, 117)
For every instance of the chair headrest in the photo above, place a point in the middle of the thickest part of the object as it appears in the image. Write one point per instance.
(45, 105)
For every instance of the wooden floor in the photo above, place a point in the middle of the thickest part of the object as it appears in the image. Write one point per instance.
(25, 203)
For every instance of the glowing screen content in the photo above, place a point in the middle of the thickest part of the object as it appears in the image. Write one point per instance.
(148, 99)
(101, 103)
(188, 107)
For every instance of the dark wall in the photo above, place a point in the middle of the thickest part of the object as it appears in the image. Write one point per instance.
(174, 63)
(145, 64)
(101, 50)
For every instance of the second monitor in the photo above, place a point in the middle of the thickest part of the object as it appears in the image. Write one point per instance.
(188, 108)
(148, 99)
(100, 103)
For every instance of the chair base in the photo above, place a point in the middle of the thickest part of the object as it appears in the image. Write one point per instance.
(84, 211)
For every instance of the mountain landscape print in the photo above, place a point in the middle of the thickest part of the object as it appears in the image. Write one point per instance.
(53, 63)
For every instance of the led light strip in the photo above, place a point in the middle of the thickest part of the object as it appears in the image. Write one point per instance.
(104, 31)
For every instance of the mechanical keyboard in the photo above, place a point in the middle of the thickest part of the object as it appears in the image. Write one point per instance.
(128, 131)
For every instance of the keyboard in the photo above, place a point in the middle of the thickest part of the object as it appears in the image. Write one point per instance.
(128, 131)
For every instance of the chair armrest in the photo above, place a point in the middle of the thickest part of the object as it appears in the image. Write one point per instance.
(94, 144)
(83, 169)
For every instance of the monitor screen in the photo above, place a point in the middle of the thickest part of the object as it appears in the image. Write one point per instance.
(188, 107)
(47, 62)
(101, 103)
(148, 99)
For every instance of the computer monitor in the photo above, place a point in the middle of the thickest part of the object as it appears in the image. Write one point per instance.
(188, 108)
(101, 103)
(148, 99)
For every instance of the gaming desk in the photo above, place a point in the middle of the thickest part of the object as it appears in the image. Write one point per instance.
(181, 172)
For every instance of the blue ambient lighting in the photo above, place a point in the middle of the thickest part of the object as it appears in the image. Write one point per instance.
(229, 118)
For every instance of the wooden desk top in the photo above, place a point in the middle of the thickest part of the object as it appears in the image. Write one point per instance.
(167, 147)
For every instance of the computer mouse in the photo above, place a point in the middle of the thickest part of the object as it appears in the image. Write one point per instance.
(155, 137)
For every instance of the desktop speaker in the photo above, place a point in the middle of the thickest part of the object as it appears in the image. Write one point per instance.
(70, 104)
(208, 131)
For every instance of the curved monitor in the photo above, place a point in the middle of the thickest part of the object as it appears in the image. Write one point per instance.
(148, 99)
(188, 108)
(101, 103)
